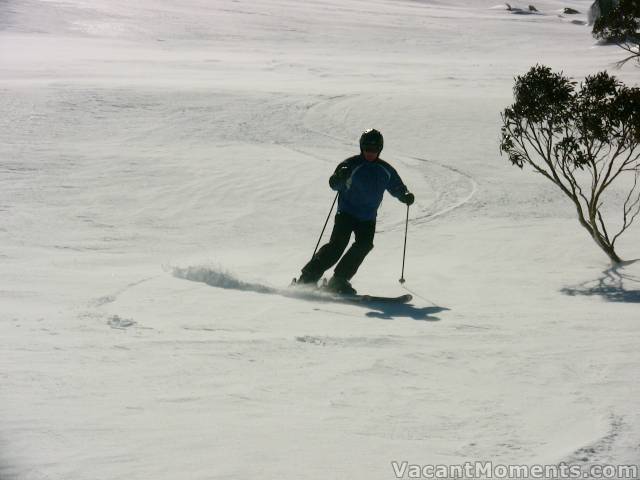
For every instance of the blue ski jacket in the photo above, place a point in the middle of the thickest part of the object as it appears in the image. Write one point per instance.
(361, 192)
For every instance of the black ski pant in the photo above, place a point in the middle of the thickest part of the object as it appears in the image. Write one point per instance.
(331, 252)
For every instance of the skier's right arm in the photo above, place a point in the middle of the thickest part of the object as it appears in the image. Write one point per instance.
(338, 180)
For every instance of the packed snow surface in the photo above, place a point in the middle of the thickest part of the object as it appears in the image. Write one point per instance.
(164, 171)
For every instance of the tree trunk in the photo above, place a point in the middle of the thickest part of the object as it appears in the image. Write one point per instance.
(594, 233)
(609, 250)
(604, 244)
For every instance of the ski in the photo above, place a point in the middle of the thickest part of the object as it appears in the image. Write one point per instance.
(356, 298)
(375, 298)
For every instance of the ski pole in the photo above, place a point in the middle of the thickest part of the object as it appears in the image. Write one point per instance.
(325, 225)
(404, 252)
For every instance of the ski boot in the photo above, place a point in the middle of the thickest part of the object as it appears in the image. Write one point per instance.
(340, 286)
(305, 280)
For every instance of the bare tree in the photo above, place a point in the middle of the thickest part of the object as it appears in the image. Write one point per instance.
(582, 140)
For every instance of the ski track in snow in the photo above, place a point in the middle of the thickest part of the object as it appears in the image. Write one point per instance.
(473, 189)
(106, 299)
(441, 189)
(600, 450)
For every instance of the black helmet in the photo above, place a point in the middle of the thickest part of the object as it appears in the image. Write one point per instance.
(371, 138)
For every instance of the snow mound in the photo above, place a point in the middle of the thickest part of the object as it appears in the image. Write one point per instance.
(516, 10)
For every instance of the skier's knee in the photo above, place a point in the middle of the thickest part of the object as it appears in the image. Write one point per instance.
(339, 245)
(365, 247)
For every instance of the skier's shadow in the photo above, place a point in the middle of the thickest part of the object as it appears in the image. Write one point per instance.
(390, 311)
(613, 285)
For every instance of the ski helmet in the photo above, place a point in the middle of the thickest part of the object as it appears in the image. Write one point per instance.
(371, 138)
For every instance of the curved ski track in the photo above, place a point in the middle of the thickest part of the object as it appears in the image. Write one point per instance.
(416, 219)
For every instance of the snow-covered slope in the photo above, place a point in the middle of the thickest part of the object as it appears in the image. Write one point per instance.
(164, 175)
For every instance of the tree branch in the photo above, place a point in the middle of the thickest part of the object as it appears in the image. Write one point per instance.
(628, 208)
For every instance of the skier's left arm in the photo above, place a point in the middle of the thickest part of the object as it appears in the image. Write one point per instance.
(398, 189)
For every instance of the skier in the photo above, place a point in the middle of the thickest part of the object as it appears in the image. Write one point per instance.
(361, 181)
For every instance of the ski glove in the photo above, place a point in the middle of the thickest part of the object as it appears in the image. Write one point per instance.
(339, 177)
(408, 198)
(343, 173)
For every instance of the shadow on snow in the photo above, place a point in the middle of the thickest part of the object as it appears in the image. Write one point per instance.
(386, 311)
(615, 285)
